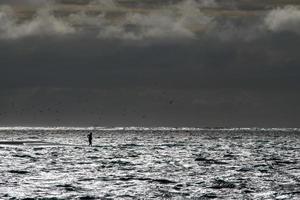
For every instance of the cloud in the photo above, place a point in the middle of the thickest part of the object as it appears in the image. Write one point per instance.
(110, 19)
(182, 20)
(104, 4)
(179, 21)
(284, 19)
(208, 3)
(43, 23)
(153, 25)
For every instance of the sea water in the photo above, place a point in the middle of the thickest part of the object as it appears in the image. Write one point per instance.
(149, 163)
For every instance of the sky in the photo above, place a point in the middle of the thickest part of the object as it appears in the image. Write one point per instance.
(197, 63)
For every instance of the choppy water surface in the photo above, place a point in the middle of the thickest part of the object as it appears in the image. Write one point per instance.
(151, 164)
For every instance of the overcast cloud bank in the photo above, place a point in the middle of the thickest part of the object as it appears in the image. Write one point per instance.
(201, 65)
(184, 20)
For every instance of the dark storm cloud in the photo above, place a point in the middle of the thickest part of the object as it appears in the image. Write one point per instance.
(269, 62)
(153, 68)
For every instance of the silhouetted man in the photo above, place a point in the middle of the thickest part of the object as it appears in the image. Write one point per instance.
(90, 137)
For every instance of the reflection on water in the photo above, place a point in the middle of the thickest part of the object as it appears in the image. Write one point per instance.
(249, 164)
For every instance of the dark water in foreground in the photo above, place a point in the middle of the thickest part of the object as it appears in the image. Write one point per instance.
(165, 164)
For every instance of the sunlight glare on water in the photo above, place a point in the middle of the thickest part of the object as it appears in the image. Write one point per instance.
(126, 163)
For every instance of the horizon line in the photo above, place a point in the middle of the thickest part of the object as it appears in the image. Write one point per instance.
(116, 128)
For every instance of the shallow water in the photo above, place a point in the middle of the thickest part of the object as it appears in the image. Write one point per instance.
(207, 164)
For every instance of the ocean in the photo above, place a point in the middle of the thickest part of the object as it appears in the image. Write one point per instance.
(149, 163)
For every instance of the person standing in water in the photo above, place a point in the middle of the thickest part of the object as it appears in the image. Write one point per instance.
(90, 137)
